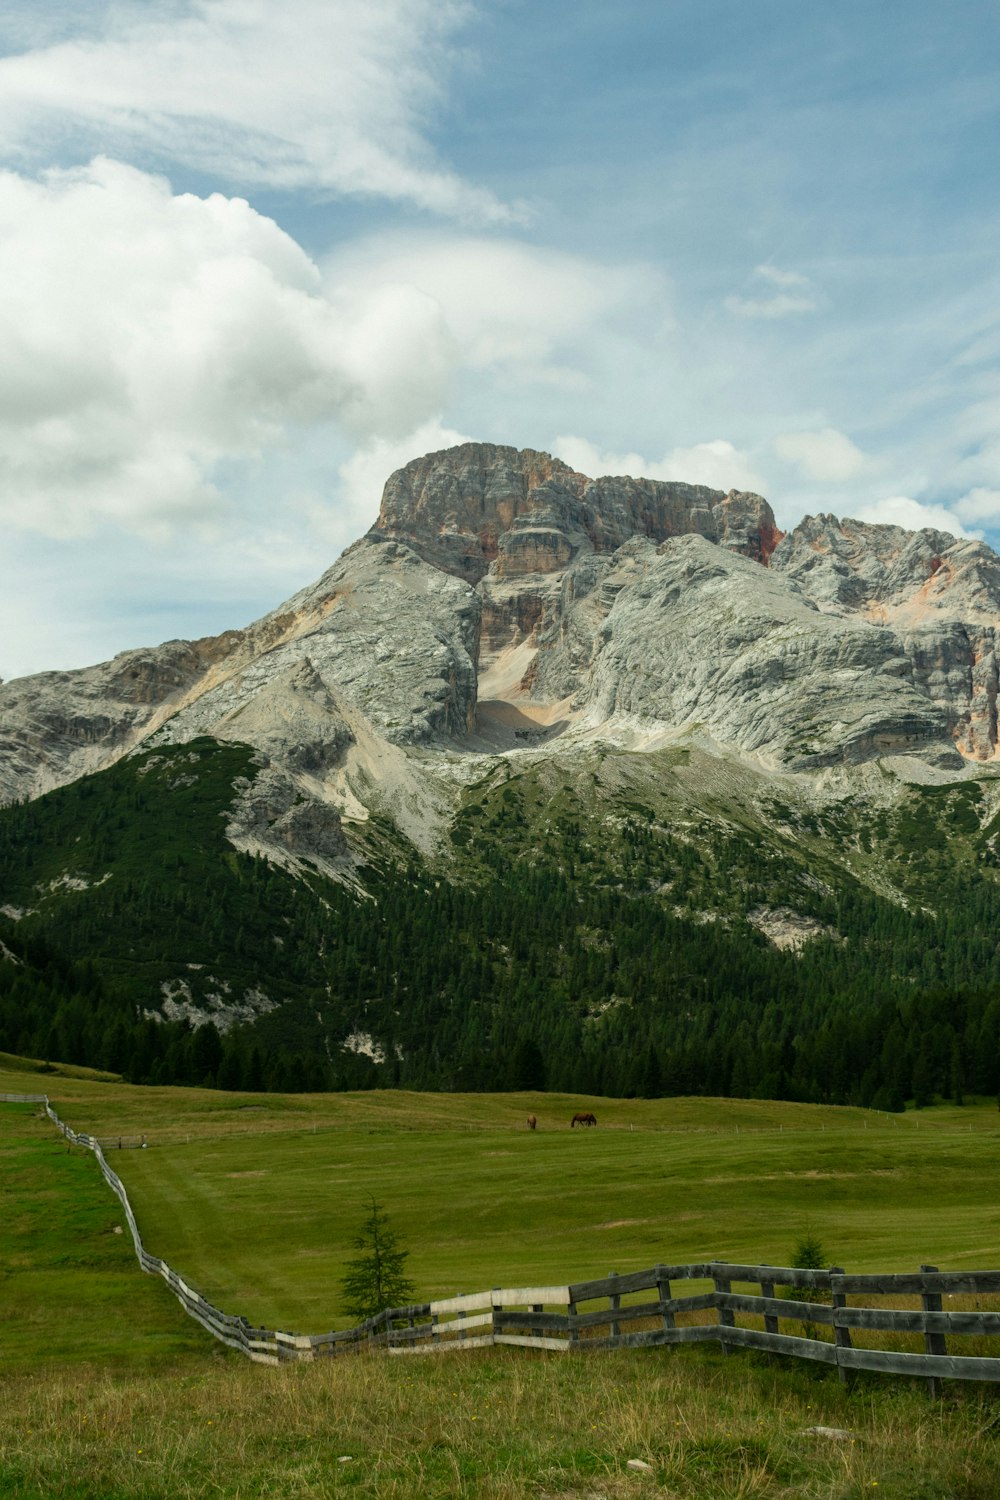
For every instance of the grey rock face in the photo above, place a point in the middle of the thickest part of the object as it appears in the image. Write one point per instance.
(393, 635)
(889, 573)
(702, 637)
(398, 637)
(525, 512)
(270, 816)
(294, 717)
(57, 726)
(941, 595)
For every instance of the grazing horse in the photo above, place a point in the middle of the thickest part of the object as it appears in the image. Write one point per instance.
(583, 1119)
(532, 1121)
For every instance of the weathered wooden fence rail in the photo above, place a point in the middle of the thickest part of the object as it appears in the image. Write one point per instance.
(561, 1318)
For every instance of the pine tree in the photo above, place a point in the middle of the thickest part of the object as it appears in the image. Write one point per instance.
(374, 1279)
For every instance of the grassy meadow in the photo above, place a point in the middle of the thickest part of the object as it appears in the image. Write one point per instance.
(254, 1198)
(107, 1389)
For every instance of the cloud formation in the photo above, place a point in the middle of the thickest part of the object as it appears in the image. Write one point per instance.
(717, 464)
(150, 336)
(154, 339)
(980, 507)
(913, 515)
(828, 455)
(509, 306)
(791, 294)
(328, 95)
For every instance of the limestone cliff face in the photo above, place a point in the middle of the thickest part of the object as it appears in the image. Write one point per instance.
(479, 508)
(523, 528)
(703, 637)
(938, 594)
(57, 726)
(395, 637)
(501, 600)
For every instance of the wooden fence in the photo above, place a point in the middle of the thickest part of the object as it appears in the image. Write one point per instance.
(642, 1309)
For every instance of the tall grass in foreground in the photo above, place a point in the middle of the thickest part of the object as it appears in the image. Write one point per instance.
(497, 1424)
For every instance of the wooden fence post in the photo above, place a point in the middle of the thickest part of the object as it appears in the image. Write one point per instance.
(664, 1293)
(842, 1336)
(616, 1302)
(574, 1332)
(770, 1319)
(727, 1318)
(934, 1343)
(536, 1333)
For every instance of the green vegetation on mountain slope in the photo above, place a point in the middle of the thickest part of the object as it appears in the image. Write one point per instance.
(591, 925)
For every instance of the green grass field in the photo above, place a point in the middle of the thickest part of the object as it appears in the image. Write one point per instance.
(107, 1389)
(255, 1198)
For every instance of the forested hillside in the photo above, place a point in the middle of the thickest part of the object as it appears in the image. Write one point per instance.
(557, 941)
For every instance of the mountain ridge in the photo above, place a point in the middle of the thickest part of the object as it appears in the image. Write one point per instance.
(506, 569)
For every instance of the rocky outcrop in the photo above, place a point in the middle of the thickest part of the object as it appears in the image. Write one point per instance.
(890, 575)
(382, 629)
(270, 816)
(938, 594)
(694, 636)
(394, 636)
(295, 716)
(58, 726)
(479, 507)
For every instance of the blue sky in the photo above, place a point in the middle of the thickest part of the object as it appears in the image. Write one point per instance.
(254, 257)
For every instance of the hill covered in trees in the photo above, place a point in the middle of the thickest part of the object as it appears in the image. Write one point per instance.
(580, 927)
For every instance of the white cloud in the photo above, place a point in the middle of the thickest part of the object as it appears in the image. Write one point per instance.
(507, 304)
(900, 510)
(828, 455)
(717, 464)
(778, 277)
(977, 432)
(332, 95)
(152, 340)
(980, 506)
(149, 337)
(793, 296)
(401, 354)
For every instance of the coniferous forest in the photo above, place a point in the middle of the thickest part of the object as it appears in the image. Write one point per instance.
(534, 954)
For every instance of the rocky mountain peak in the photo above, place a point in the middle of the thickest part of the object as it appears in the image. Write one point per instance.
(889, 573)
(502, 600)
(480, 507)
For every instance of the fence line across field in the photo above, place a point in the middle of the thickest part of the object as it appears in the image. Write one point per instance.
(556, 1318)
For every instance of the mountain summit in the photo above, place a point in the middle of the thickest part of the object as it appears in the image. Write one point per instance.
(501, 600)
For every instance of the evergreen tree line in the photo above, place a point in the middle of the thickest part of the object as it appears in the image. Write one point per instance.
(552, 963)
(532, 986)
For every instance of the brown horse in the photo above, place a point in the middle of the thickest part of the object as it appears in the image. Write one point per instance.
(532, 1121)
(583, 1119)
